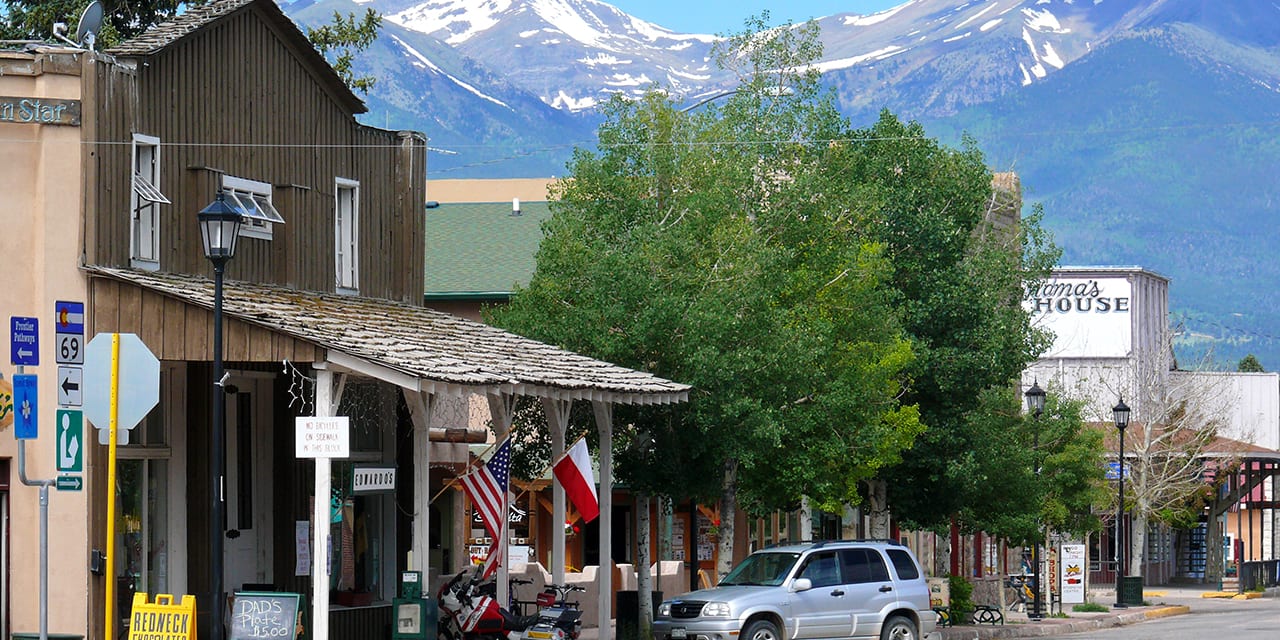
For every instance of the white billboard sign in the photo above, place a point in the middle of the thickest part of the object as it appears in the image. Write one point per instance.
(1089, 317)
(1073, 567)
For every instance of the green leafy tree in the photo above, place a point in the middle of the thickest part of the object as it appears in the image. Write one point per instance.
(959, 273)
(1250, 364)
(342, 39)
(724, 246)
(1008, 498)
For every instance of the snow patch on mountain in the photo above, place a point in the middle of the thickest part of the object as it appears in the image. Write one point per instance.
(976, 16)
(875, 18)
(461, 19)
(1043, 21)
(628, 80)
(845, 63)
(602, 58)
(990, 24)
(422, 62)
(566, 101)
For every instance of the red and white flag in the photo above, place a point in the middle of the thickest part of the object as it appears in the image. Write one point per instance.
(573, 470)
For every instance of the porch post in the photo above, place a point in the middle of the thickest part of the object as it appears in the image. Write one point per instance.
(557, 412)
(501, 408)
(327, 399)
(420, 404)
(604, 424)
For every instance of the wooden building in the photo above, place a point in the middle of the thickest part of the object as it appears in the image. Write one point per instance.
(323, 315)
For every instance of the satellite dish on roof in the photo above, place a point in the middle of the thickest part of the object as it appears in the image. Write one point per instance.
(90, 25)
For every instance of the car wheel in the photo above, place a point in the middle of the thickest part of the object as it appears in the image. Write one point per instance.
(761, 630)
(898, 628)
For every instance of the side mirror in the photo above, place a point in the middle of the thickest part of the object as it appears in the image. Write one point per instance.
(801, 584)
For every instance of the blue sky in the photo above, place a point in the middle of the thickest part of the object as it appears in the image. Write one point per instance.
(719, 16)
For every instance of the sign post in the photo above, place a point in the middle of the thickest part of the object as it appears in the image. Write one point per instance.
(124, 384)
(322, 437)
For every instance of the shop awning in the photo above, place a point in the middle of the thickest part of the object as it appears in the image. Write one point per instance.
(414, 347)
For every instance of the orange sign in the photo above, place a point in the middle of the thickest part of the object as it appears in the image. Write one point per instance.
(6, 403)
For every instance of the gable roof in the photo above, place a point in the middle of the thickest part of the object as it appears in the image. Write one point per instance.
(194, 18)
(413, 346)
(479, 250)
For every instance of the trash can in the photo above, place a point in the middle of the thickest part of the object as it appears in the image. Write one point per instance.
(628, 617)
(1130, 591)
(35, 635)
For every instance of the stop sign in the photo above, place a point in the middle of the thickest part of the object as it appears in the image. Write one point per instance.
(137, 383)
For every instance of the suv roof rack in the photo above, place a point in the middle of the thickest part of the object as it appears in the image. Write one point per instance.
(822, 543)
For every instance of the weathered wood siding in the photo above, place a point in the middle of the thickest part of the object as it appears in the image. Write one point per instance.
(235, 99)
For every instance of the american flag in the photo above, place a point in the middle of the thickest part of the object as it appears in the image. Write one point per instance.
(487, 488)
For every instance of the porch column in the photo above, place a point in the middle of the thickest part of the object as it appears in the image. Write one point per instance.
(604, 424)
(328, 396)
(420, 405)
(557, 412)
(501, 408)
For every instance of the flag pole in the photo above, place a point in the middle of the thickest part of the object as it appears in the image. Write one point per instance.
(471, 464)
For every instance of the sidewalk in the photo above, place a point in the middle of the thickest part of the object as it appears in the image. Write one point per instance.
(1165, 601)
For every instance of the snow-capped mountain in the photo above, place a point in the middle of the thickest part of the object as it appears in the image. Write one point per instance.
(570, 53)
(1146, 128)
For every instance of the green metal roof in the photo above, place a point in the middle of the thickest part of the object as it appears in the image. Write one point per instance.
(478, 251)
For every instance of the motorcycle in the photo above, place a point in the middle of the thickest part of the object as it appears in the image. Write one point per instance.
(469, 611)
(558, 619)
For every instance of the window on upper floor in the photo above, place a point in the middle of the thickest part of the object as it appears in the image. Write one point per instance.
(254, 200)
(144, 204)
(347, 234)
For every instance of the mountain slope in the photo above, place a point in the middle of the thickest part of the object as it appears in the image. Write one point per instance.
(1146, 128)
(1159, 149)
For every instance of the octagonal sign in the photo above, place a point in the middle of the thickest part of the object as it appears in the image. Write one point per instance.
(137, 381)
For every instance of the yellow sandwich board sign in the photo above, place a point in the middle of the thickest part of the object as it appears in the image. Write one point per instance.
(162, 619)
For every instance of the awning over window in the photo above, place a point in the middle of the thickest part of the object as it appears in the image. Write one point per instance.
(148, 191)
(254, 206)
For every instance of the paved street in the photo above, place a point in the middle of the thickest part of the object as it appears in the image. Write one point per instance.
(1176, 613)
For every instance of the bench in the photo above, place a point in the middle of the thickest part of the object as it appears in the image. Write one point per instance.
(987, 614)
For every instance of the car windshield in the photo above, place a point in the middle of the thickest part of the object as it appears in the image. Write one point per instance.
(767, 569)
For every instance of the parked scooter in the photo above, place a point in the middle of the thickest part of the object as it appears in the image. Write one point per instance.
(469, 611)
(558, 619)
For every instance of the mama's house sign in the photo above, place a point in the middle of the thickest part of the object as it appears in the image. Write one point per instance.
(1089, 317)
(39, 111)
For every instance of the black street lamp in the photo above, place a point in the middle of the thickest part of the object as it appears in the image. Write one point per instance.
(1035, 404)
(219, 229)
(1120, 413)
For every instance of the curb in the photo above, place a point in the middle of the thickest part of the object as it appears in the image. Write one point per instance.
(1058, 627)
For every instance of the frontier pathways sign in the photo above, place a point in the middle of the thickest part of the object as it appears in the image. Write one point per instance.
(1089, 317)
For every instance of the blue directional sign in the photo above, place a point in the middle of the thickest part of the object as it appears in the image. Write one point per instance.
(24, 341)
(25, 396)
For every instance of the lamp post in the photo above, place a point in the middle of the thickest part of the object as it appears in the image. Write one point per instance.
(219, 229)
(1035, 404)
(1120, 413)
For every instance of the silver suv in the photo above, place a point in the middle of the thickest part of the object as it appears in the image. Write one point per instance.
(845, 589)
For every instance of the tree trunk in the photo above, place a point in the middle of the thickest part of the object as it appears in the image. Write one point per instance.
(728, 512)
(644, 581)
(665, 525)
(878, 508)
(1138, 541)
(806, 519)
